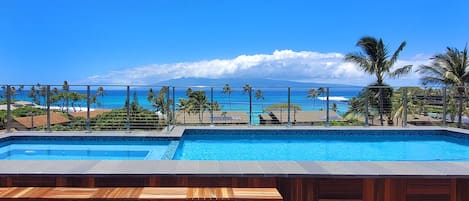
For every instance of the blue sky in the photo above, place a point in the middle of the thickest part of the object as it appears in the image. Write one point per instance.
(125, 42)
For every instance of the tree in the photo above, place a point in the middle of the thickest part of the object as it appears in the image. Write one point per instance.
(66, 95)
(134, 105)
(100, 92)
(449, 69)
(412, 102)
(312, 94)
(198, 104)
(227, 90)
(33, 95)
(188, 92)
(159, 101)
(334, 107)
(356, 109)
(260, 97)
(182, 105)
(375, 60)
(247, 88)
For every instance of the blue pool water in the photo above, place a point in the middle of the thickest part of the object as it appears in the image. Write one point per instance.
(84, 148)
(219, 144)
(323, 146)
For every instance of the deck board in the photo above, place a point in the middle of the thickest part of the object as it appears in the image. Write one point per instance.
(142, 193)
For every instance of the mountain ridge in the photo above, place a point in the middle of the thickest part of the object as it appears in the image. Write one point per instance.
(186, 82)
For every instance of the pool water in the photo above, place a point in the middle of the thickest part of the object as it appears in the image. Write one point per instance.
(324, 146)
(66, 148)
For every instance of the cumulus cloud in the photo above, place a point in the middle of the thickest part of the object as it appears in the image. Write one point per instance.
(303, 66)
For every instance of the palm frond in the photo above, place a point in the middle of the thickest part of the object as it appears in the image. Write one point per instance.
(396, 53)
(400, 71)
(361, 60)
(433, 80)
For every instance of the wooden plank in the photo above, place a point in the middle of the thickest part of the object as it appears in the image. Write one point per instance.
(339, 200)
(78, 193)
(152, 193)
(164, 193)
(454, 192)
(368, 190)
(256, 193)
(387, 189)
(428, 187)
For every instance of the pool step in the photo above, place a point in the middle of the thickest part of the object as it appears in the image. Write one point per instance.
(145, 193)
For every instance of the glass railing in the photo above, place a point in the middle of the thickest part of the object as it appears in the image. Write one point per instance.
(147, 108)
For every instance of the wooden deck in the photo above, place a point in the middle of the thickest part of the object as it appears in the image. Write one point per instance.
(145, 193)
(293, 188)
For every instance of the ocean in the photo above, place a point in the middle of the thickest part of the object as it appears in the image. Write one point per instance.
(114, 98)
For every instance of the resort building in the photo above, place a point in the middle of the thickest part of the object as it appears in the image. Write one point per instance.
(93, 113)
(28, 123)
(219, 117)
(298, 117)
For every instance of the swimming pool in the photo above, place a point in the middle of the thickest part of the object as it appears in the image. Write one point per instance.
(324, 145)
(83, 148)
(248, 145)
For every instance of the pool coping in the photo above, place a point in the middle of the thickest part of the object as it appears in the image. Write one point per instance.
(235, 168)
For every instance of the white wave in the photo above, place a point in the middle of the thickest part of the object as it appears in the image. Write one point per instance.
(70, 109)
(334, 98)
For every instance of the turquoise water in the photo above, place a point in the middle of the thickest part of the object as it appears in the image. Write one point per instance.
(253, 144)
(82, 149)
(323, 147)
(237, 101)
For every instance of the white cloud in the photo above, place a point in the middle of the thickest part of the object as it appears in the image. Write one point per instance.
(305, 66)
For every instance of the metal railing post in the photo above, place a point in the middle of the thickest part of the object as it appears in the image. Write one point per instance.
(460, 113)
(289, 107)
(128, 109)
(443, 118)
(381, 106)
(366, 107)
(8, 97)
(174, 107)
(32, 120)
(48, 107)
(88, 103)
(327, 107)
(211, 107)
(250, 106)
(168, 120)
(404, 118)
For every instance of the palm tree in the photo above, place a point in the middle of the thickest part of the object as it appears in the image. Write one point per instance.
(375, 60)
(399, 106)
(66, 88)
(198, 103)
(13, 92)
(320, 93)
(312, 94)
(188, 92)
(159, 101)
(183, 105)
(334, 107)
(227, 90)
(247, 88)
(33, 94)
(260, 97)
(21, 89)
(449, 69)
(100, 92)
